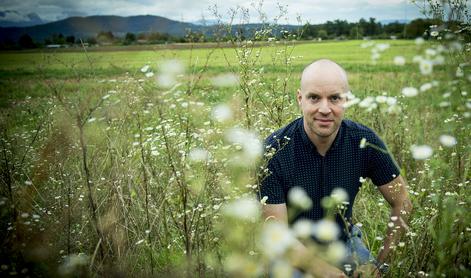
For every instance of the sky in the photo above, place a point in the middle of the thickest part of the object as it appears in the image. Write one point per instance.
(312, 11)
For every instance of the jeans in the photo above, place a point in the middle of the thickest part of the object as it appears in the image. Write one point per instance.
(357, 254)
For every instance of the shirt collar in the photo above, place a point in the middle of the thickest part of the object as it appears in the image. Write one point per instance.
(308, 142)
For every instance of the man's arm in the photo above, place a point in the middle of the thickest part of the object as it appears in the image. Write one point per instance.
(395, 193)
(300, 256)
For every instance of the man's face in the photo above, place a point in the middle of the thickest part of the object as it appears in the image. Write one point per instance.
(322, 107)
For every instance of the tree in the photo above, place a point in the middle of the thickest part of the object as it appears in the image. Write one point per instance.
(25, 41)
(105, 37)
(129, 38)
(70, 39)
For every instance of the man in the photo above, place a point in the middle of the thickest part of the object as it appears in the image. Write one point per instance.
(320, 152)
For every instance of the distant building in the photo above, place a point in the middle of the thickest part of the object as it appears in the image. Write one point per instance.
(53, 46)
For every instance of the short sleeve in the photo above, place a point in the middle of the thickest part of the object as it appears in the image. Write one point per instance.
(382, 167)
(271, 183)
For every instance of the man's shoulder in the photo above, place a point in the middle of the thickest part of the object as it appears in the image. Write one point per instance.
(283, 135)
(355, 128)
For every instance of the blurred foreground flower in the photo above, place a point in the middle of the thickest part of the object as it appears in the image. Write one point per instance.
(169, 71)
(72, 263)
(409, 91)
(447, 140)
(426, 67)
(145, 68)
(326, 230)
(281, 269)
(221, 113)
(276, 239)
(399, 60)
(225, 80)
(198, 154)
(421, 152)
(244, 208)
(241, 266)
(339, 195)
(298, 197)
(336, 252)
(251, 145)
(303, 228)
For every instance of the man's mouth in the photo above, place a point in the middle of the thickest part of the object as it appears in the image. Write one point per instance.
(324, 121)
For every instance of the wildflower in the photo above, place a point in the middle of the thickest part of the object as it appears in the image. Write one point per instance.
(281, 269)
(225, 80)
(303, 228)
(362, 180)
(459, 72)
(367, 102)
(149, 74)
(351, 102)
(326, 230)
(252, 147)
(363, 143)
(72, 262)
(276, 238)
(382, 46)
(417, 59)
(145, 68)
(444, 104)
(447, 140)
(419, 41)
(421, 152)
(430, 52)
(399, 60)
(434, 33)
(409, 91)
(425, 87)
(28, 182)
(298, 197)
(173, 67)
(198, 154)
(166, 80)
(391, 101)
(426, 67)
(243, 208)
(336, 251)
(381, 99)
(221, 113)
(263, 201)
(339, 195)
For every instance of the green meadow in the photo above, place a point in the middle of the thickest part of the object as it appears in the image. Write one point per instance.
(107, 171)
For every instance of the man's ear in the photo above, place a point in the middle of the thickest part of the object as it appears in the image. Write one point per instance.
(299, 96)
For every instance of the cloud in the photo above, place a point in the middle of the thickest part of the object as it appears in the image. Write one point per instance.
(315, 11)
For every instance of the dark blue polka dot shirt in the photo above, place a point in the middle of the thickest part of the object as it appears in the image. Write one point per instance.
(296, 162)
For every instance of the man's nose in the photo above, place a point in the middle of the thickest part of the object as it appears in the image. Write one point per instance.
(324, 107)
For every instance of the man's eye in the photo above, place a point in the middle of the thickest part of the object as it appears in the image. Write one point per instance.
(335, 98)
(313, 97)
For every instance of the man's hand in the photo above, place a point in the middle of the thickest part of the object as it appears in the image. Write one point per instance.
(330, 272)
(367, 270)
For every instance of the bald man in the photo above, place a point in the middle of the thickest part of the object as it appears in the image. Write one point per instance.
(320, 152)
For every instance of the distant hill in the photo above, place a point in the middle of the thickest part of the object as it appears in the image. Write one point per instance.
(83, 27)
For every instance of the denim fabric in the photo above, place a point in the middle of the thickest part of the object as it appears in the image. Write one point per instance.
(357, 254)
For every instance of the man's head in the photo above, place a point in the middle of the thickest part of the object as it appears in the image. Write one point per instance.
(321, 98)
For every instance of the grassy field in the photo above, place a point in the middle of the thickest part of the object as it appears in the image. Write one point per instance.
(106, 171)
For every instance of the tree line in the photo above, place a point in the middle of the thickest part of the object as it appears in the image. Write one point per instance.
(337, 29)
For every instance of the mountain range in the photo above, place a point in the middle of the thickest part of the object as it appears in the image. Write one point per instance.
(85, 27)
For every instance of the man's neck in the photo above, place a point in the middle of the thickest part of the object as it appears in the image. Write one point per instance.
(322, 143)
